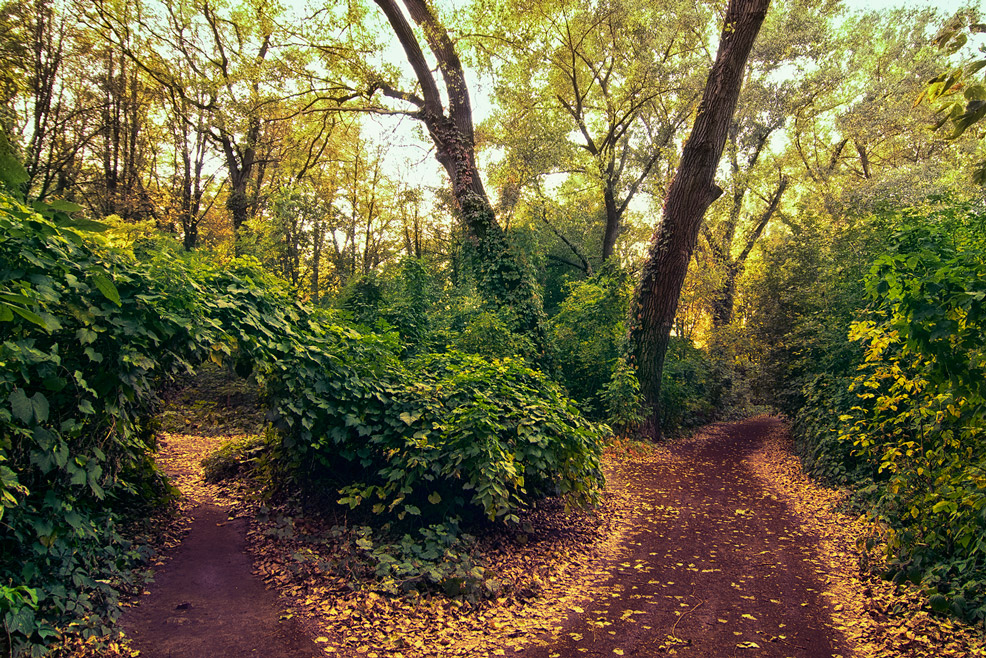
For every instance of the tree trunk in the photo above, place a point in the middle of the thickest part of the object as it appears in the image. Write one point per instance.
(691, 192)
(500, 277)
(612, 230)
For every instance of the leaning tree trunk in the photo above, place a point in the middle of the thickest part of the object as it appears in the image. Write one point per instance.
(692, 191)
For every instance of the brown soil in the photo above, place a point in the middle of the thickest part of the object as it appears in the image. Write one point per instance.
(206, 601)
(718, 566)
(712, 546)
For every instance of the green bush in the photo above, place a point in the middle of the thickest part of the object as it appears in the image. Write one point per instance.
(921, 407)
(83, 345)
(589, 334)
(685, 387)
(446, 436)
(622, 399)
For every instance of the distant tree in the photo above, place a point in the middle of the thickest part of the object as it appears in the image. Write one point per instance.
(596, 90)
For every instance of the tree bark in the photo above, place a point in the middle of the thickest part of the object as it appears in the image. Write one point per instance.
(691, 192)
(501, 278)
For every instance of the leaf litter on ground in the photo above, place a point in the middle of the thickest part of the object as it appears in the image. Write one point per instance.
(549, 567)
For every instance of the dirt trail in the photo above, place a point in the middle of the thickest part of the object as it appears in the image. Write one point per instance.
(205, 601)
(717, 566)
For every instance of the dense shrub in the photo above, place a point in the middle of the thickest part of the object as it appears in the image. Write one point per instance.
(442, 436)
(685, 387)
(589, 334)
(83, 344)
(919, 417)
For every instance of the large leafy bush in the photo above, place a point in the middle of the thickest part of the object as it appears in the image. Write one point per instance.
(83, 344)
(442, 436)
(922, 404)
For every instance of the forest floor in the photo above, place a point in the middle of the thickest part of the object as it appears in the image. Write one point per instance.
(714, 545)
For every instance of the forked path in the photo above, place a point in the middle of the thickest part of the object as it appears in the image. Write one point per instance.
(205, 601)
(717, 565)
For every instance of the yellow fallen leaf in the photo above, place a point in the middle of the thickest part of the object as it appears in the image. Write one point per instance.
(618, 652)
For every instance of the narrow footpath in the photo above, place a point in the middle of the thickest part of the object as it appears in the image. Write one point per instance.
(205, 601)
(717, 566)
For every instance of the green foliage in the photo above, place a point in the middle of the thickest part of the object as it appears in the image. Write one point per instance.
(82, 347)
(436, 557)
(823, 452)
(363, 298)
(440, 437)
(487, 333)
(800, 302)
(687, 380)
(413, 299)
(922, 401)
(623, 400)
(959, 90)
(589, 333)
(87, 335)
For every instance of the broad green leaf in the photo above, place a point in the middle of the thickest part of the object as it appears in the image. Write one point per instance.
(975, 93)
(40, 405)
(64, 206)
(21, 406)
(82, 224)
(106, 287)
(30, 316)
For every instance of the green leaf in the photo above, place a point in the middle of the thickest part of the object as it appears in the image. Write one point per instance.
(107, 288)
(64, 206)
(82, 224)
(40, 405)
(434, 498)
(30, 316)
(21, 406)
(410, 418)
(975, 93)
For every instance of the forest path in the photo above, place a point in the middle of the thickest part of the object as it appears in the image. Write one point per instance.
(717, 565)
(205, 600)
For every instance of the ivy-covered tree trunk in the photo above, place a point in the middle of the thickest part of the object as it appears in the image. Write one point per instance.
(691, 192)
(500, 277)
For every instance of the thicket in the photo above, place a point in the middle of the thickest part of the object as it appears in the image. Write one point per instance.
(896, 411)
(587, 332)
(919, 418)
(84, 341)
(87, 335)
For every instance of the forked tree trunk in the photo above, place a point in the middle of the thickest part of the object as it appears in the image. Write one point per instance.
(691, 192)
(501, 278)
